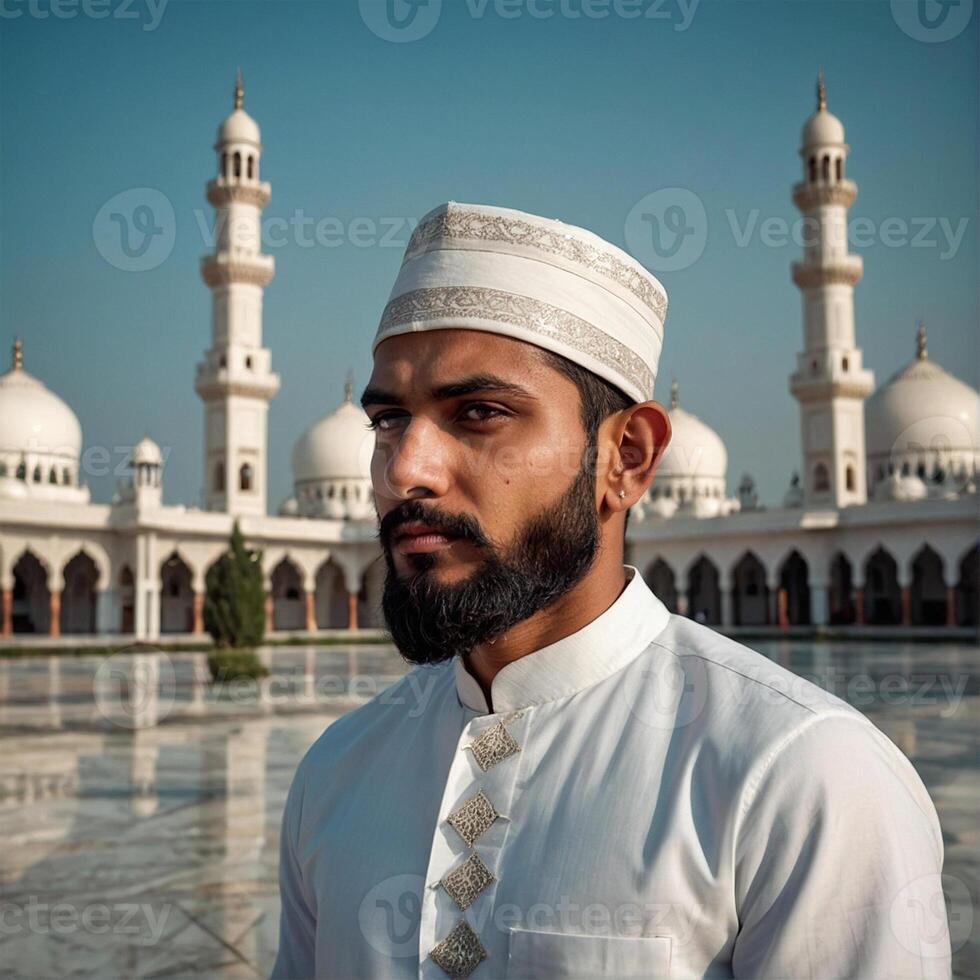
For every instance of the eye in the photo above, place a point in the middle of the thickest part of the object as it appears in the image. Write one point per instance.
(384, 421)
(481, 412)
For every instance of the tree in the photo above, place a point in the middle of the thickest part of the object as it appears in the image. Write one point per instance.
(234, 601)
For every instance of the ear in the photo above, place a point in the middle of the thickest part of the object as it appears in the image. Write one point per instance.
(634, 441)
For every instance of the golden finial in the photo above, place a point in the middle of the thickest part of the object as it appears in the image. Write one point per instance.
(821, 93)
(349, 387)
(920, 342)
(239, 90)
(673, 393)
(18, 354)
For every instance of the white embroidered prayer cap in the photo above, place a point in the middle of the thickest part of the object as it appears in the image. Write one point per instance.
(472, 266)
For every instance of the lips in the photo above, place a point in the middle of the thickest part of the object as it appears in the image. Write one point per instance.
(416, 537)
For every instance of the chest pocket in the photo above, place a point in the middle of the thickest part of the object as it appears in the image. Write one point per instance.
(562, 956)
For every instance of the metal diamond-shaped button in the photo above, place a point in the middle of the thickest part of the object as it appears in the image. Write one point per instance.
(493, 746)
(461, 952)
(473, 818)
(465, 882)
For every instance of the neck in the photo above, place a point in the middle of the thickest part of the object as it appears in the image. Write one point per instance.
(584, 602)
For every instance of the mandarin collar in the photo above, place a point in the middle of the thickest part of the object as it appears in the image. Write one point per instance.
(575, 662)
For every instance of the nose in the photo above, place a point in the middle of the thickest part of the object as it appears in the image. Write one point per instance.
(414, 465)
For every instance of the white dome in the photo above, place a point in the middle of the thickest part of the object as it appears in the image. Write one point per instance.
(695, 449)
(898, 487)
(922, 409)
(332, 465)
(239, 127)
(146, 453)
(33, 420)
(338, 447)
(823, 128)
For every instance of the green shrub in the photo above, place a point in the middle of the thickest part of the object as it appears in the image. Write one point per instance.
(229, 665)
(234, 601)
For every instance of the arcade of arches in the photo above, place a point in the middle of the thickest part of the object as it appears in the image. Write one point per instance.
(70, 600)
(789, 596)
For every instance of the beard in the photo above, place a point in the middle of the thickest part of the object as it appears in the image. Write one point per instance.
(431, 622)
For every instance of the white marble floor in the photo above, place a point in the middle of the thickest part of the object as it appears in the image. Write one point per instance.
(143, 842)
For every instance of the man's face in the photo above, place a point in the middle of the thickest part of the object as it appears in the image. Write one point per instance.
(488, 512)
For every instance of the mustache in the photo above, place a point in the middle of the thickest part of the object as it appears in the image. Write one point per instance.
(459, 525)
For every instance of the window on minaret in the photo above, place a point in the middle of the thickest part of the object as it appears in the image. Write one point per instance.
(224, 164)
(66, 477)
(813, 169)
(238, 164)
(37, 474)
(219, 478)
(53, 476)
(245, 477)
(251, 166)
(825, 167)
(22, 472)
(843, 363)
(849, 478)
(821, 478)
(840, 168)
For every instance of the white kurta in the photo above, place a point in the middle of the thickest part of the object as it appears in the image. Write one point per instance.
(660, 801)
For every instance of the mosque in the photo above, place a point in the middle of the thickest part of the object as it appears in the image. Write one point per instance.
(878, 527)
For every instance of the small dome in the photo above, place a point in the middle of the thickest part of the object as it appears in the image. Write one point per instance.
(33, 420)
(695, 449)
(794, 495)
(289, 507)
(898, 487)
(146, 453)
(823, 128)
(239, 127)
(338, 447)
(922, 409)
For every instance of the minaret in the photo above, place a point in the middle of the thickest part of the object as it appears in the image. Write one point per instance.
(235, 380)
(829, 382)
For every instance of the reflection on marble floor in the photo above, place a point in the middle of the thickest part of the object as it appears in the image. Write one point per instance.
(145, 843)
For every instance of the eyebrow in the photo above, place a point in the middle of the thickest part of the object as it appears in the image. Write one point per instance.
(455, 389)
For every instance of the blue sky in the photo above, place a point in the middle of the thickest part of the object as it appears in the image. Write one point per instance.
(574, 115)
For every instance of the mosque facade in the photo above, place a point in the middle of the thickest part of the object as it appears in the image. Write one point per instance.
(878, 527)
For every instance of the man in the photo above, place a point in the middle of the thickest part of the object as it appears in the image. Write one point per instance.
(572, 782)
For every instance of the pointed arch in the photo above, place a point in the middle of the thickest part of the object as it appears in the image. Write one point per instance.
(660, 577)
(288, 602)
(840, 594)
(967, 595)
(928, 589)
(81, 576)
(750, 591)
(794, 582)
(882, 595)
(176, 595)
(704, 591)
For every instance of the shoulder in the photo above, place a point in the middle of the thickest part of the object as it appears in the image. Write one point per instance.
(794, 742)
(361, 731)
